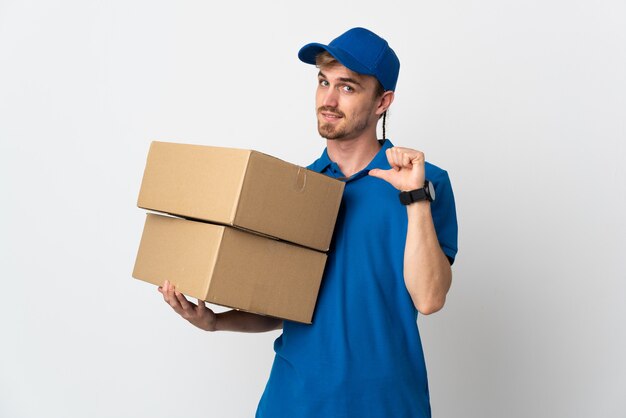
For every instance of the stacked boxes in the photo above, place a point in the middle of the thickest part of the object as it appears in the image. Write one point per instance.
(250, 230)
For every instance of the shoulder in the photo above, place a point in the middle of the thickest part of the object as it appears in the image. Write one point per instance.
(436, 174)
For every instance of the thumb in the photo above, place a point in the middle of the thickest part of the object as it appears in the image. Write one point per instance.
(381, 174)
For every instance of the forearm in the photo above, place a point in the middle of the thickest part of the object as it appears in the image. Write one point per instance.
(246, 322)
(427, 272)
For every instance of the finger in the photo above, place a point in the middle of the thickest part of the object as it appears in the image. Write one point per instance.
(172, 299)
(406, 160)
(395, 164)
(187, 306)
(169, 295)
(166, 289)
(402, 159)
(418, 162)
(414, 155)
(163, 291)
(175, 304)
(390, 159)
(409, 151)
(201, 305)
(417, 166)
(397, 157)
(417, 156)
(381, 174)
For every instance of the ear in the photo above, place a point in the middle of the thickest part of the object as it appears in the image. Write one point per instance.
(384, 102)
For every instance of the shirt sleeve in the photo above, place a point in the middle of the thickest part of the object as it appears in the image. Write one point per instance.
(444, 215)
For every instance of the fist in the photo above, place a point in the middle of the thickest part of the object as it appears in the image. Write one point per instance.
(407, 169)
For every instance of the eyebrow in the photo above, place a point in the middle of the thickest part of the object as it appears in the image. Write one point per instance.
(343, 79)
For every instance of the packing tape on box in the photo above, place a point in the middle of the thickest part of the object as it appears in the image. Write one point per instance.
(301, 179)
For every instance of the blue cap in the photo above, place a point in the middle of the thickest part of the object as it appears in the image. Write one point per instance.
(363, 52)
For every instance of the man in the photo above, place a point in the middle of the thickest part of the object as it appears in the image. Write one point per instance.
(390, 258)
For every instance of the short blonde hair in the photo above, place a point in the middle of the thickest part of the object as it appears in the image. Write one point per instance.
(324, 58)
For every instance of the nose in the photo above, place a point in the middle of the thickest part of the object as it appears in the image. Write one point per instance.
(330, 97)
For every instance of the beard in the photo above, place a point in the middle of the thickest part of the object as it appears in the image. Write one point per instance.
(328, 131)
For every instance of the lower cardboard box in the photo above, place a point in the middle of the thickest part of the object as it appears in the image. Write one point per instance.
(230, 267)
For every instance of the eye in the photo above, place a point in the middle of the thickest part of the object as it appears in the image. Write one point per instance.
(323, 83)
(347, 89)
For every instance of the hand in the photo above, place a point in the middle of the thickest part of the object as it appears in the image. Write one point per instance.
(407, 169)
(199, 315)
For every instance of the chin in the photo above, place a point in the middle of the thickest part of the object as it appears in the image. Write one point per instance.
(330, 134)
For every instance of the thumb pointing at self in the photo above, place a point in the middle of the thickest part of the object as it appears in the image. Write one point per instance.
(381, 174)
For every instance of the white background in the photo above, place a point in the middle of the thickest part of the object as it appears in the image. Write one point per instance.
(524, 103)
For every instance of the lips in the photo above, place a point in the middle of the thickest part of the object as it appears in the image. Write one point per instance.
(329, 114)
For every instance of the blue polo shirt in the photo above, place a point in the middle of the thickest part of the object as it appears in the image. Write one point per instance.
(362, 356)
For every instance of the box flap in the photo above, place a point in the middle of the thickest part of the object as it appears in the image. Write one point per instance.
(290, 202)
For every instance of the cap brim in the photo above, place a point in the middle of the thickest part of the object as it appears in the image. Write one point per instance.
(309, 52)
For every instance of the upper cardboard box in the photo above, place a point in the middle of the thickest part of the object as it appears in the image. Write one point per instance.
(242, 188)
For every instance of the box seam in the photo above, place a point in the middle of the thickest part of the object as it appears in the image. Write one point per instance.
(212, 268)
(235, 212)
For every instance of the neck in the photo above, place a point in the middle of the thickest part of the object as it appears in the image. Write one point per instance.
(352, 155)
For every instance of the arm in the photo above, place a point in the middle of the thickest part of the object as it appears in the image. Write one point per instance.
(427, 273)
(204, 318)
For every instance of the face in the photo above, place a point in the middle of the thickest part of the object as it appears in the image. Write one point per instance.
(346, 102)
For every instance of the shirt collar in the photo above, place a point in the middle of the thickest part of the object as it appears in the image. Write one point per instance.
(321, 164)
(325, 165)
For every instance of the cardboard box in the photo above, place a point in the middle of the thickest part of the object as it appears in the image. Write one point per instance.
(230, 267)
(242, 188)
